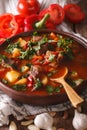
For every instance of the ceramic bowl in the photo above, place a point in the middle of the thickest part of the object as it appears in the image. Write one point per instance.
(42, 100)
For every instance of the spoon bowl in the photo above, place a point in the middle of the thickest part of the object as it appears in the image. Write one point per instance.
(75, 99)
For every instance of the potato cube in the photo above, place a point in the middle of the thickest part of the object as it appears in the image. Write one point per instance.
(16, 53)
(12, 76)
(22, 81)
(24, 68)
(44, 80)
(22, 42)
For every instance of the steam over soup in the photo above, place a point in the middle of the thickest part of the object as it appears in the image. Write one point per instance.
(28, 63)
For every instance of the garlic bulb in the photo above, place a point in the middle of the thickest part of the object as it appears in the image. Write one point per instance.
(44, 121)
(79, 121)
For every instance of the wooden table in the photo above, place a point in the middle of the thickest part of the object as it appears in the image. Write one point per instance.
(59, 120)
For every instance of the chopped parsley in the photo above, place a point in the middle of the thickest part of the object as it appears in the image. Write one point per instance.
(19, 87)
(52, 90)
(65, 44)
(38, 84)
(11, 47)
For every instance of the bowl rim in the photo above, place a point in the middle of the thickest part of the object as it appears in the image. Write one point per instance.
(72, 35)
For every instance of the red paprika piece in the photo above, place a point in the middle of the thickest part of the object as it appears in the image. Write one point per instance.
(30, 81)
(35, 22)
(30, 22)
(2, 40)
(8, 25)
(20, 21)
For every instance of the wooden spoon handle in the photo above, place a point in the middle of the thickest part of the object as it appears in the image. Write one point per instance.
(73, 96)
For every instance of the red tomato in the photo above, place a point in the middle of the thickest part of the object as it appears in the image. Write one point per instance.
(74, 13)
(56, 13)
(28, 7)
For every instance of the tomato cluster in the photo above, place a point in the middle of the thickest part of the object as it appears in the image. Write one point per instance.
(31, 17)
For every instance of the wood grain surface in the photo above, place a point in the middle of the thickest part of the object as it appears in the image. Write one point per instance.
(65, 123)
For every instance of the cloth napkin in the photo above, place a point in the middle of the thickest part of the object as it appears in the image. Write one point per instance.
(8, 106)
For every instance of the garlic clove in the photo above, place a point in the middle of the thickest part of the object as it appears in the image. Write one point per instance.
(79, 121)
(44, 121)
(33, 127)
(12, 126)
(26, 123)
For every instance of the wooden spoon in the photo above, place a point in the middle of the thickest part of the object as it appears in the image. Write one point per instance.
(72, 95)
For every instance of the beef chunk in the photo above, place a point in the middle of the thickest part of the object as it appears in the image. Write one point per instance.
(34, 71)
(47, 46)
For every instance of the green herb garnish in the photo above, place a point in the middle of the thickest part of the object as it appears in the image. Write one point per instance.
(19, 87)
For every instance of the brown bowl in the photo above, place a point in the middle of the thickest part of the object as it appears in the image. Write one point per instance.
(42, 100)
